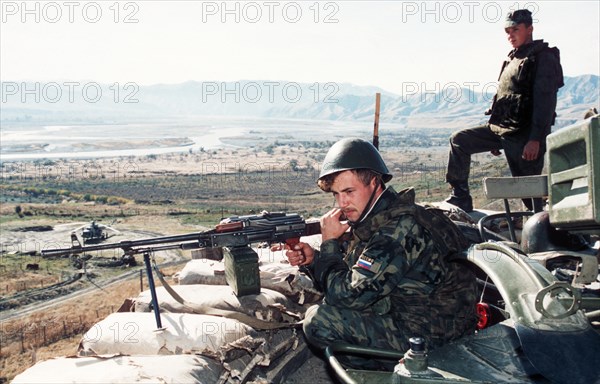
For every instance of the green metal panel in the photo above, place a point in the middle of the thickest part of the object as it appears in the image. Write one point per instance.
(573, 161)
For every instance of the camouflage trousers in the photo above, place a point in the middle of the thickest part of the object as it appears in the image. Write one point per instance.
(325, 324)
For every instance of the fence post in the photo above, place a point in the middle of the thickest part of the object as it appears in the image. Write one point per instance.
(22, 340)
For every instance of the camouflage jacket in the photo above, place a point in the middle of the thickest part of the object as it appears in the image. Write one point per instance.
(527, 91)
(395, 265)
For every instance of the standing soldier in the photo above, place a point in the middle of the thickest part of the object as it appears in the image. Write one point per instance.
(521, 115)
(397, 278)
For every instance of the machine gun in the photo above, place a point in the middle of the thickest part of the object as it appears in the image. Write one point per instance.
(234, 235)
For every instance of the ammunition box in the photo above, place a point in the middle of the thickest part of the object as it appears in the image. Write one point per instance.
(573, 161)
(241, 270)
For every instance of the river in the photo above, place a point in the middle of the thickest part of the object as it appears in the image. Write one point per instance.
(31, 142)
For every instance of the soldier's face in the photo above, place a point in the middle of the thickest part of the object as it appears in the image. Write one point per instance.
(519, 34)
(351, 194)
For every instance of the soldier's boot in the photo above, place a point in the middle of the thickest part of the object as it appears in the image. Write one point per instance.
(460, 196)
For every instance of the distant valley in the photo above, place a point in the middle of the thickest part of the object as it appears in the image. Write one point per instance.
(422, 106)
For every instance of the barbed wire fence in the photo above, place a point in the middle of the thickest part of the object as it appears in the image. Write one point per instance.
(18, 337)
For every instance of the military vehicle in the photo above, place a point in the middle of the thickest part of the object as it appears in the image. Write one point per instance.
(95, 232)
(538, 314)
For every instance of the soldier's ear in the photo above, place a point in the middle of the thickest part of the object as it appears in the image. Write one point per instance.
(376, 182)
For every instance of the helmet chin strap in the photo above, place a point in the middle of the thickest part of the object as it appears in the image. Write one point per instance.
(368, 207)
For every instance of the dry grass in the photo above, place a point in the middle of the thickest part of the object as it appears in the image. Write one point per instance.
(22, 341)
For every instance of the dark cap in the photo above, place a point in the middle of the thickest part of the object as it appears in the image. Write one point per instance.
(517, 17)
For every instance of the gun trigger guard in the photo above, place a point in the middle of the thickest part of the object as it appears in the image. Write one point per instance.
(293, 241)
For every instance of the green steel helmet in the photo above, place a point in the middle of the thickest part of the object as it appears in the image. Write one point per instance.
(354, 153)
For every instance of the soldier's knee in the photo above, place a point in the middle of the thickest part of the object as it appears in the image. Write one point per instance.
(317, 325)
(321, 313)
(456, 138)
(309, 315)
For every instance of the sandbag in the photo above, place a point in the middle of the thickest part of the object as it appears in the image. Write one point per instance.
(123, 369)
(202, 271)
(275, 273)
(262, 306)
(135, 333)
(207, 271)
(279, 277)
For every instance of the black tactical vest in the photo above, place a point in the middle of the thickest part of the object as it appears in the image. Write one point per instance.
(513, 104)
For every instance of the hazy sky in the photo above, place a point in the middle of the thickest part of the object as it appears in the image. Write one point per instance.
(389, 44)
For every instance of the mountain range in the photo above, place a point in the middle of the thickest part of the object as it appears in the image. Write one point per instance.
(433, 106)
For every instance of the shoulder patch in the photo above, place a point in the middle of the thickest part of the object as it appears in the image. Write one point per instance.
(368, 263)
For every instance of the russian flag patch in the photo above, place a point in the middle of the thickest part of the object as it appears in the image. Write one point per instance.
(367, 263)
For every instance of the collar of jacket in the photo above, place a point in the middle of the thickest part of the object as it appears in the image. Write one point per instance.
(381, 212)
(528, 49)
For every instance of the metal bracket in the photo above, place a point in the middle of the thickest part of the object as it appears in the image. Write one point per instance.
(555, 286)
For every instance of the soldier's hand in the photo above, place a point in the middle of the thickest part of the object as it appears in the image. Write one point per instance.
(331, 225)
(300, 254)
(531, 150)
(297, 254)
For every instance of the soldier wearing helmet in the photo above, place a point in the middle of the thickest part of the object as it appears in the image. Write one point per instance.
(395, 279)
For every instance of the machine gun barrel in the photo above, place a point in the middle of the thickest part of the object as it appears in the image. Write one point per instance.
(232, 232)
(128, 246)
